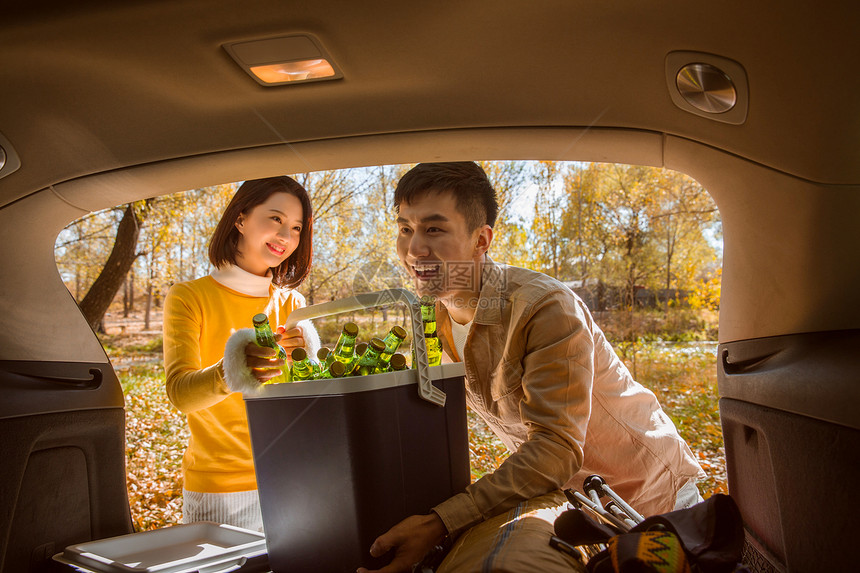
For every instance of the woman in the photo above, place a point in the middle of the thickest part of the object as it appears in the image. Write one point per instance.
(261, 250)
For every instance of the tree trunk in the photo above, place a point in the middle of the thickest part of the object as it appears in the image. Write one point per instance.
(104, 289)
(125, 303)
(148, 312)
(131, 291)
(78, 280)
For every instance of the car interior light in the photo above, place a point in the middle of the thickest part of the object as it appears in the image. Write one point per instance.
(707, 88)
(293, 71)
(708, 85)
(289, 59)
(9, 161)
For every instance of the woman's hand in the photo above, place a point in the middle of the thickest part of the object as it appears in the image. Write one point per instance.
(263, 361)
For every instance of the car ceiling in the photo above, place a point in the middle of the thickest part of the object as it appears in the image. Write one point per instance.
(94, 86)
(106, 103)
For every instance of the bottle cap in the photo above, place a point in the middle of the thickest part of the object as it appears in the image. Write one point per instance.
(299, 354)
(398, 331)
(377, 344)
(323, 353)
(337, 369)
(260, 319)
(350, 329)
(360, 348)
(398, 362)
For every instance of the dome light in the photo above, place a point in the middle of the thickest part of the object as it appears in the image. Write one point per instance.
(285, 60)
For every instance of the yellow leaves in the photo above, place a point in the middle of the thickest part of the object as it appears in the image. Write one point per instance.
(156, 435)
(486, 451)
(683, 377)
(706, 295)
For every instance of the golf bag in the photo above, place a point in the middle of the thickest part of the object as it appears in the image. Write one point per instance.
(614, 538)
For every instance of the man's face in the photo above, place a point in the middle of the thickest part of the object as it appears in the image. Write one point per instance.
(437, 249)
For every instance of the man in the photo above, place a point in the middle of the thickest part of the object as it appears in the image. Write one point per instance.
(543, 377)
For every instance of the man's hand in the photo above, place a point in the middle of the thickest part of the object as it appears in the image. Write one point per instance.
(410, 539)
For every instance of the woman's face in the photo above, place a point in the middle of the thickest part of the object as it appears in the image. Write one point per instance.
(269, 233)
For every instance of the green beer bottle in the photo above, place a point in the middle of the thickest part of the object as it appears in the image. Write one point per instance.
(367, 362)
(398, 362)
(431, 339)
(337, 369)
(360, 348)
(302, 368)
(323, 354)
(266, 338)
(344, 350)
(392, 341)
(320, 362)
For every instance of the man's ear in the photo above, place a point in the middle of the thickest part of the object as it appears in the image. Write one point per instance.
(484, 238)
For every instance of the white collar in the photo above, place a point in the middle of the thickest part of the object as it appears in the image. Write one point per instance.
(250, 284)
(242, 281)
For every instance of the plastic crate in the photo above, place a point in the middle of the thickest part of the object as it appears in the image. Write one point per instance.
(191, 548)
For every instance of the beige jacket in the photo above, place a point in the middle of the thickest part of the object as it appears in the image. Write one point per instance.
(542, 375)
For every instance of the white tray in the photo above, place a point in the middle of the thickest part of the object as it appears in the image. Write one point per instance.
(195, 547)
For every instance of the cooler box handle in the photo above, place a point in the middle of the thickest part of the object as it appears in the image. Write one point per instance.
(426, 389)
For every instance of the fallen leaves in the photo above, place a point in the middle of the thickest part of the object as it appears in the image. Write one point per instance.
(684, 379)
(156, 435)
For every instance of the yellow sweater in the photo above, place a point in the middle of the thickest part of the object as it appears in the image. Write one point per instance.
(199, 317)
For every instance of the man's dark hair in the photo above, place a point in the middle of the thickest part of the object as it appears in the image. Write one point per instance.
(225, 240)
(472, 190)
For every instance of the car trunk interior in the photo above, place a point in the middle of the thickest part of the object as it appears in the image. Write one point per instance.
(105, 104)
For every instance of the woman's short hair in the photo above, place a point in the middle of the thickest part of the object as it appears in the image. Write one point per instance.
(469, 184)
(224, 243)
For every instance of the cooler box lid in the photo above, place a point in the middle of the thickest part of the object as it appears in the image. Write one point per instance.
(203, 546)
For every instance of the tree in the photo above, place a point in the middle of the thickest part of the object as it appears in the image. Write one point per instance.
(338, 231)
(176, 238)
(683, 210)
(639, 227)
(83, 247)
(122, 256)
(582, 224)
(618, 225)
(549, 243)
(510, 235)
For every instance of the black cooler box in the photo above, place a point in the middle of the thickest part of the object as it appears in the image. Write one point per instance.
(340, 461)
